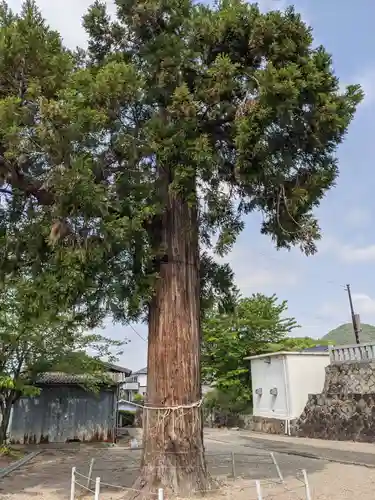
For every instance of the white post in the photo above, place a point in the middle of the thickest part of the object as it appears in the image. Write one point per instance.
(97, 488)
(90, 472)
(73, 484)
(259, 490)
(233, 466)
(277, 467)
(307, 487)
(160, 494)
(331, 356)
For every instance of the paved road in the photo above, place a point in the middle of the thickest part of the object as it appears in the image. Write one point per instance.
(222, 460)
(300, 450)
(253, 460)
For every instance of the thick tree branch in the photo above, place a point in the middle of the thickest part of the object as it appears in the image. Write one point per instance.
(22, 182)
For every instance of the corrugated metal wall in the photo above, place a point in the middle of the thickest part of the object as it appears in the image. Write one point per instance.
(64, 413)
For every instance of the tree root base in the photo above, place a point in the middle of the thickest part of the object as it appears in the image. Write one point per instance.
(146, 488)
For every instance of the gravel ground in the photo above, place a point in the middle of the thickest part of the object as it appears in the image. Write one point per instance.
(335, 481)
(47, 477)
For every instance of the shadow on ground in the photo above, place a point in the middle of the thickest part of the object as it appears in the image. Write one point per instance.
(48, 475)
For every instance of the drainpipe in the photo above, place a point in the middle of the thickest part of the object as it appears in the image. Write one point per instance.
(286, 385)
(116, 400)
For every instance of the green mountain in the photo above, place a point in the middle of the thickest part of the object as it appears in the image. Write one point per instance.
(343, 334)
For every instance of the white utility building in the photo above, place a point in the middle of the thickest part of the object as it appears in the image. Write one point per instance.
(282, 381)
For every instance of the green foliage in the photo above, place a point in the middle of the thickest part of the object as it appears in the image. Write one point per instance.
(11, 453)
(257, 327)
(224, 402)
(344, 334)
(128, 417)
(41, 343)
(256, 323)
(138, 398)
(234, 110)
(295, 344)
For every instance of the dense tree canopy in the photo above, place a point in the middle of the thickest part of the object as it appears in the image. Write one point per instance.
(120, 166)
(248, 103)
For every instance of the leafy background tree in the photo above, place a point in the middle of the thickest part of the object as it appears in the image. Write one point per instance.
(122, 164)
(296, 344)
(256, 323)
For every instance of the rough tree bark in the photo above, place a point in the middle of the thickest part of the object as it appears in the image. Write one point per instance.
(173, 456)
(6, 408)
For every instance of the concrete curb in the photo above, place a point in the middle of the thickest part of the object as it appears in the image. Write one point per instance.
(322, 457)
(19, 463)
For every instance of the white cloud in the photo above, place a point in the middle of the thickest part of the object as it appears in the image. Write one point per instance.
(328, 244)
(338, 312)
(259, 273)
(358, 254)
(364, 304)
(331, 310)
(366, 80)
(358, 217)
(266, 5)
(256, 277)
(346, 253)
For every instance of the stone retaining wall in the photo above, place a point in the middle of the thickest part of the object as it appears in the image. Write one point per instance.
(267, 425)
(330, 416)
(252, 423)
(350, 378)
(345, 410)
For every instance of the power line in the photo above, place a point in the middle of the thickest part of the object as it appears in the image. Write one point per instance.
(137, 333)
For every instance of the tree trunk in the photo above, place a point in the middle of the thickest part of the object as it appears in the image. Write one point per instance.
(4, 424)
(173, 456)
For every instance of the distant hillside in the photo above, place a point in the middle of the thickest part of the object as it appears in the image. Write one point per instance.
(344, 334)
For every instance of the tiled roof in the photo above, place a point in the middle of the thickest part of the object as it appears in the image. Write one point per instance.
(117, 368)
(65, 378)
(142, 371)
(317, 348)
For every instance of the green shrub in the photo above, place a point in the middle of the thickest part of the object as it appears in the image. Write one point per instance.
(138, 398)
(127, 417)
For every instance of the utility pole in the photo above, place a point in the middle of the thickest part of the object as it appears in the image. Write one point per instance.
(355, 317)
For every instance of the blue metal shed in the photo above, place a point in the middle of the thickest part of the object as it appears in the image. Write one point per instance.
(64, 411)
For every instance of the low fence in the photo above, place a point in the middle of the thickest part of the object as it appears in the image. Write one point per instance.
(247, 484)
(353, 352)
(77, 485)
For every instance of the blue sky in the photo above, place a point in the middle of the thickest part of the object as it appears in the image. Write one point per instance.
(313, 286)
